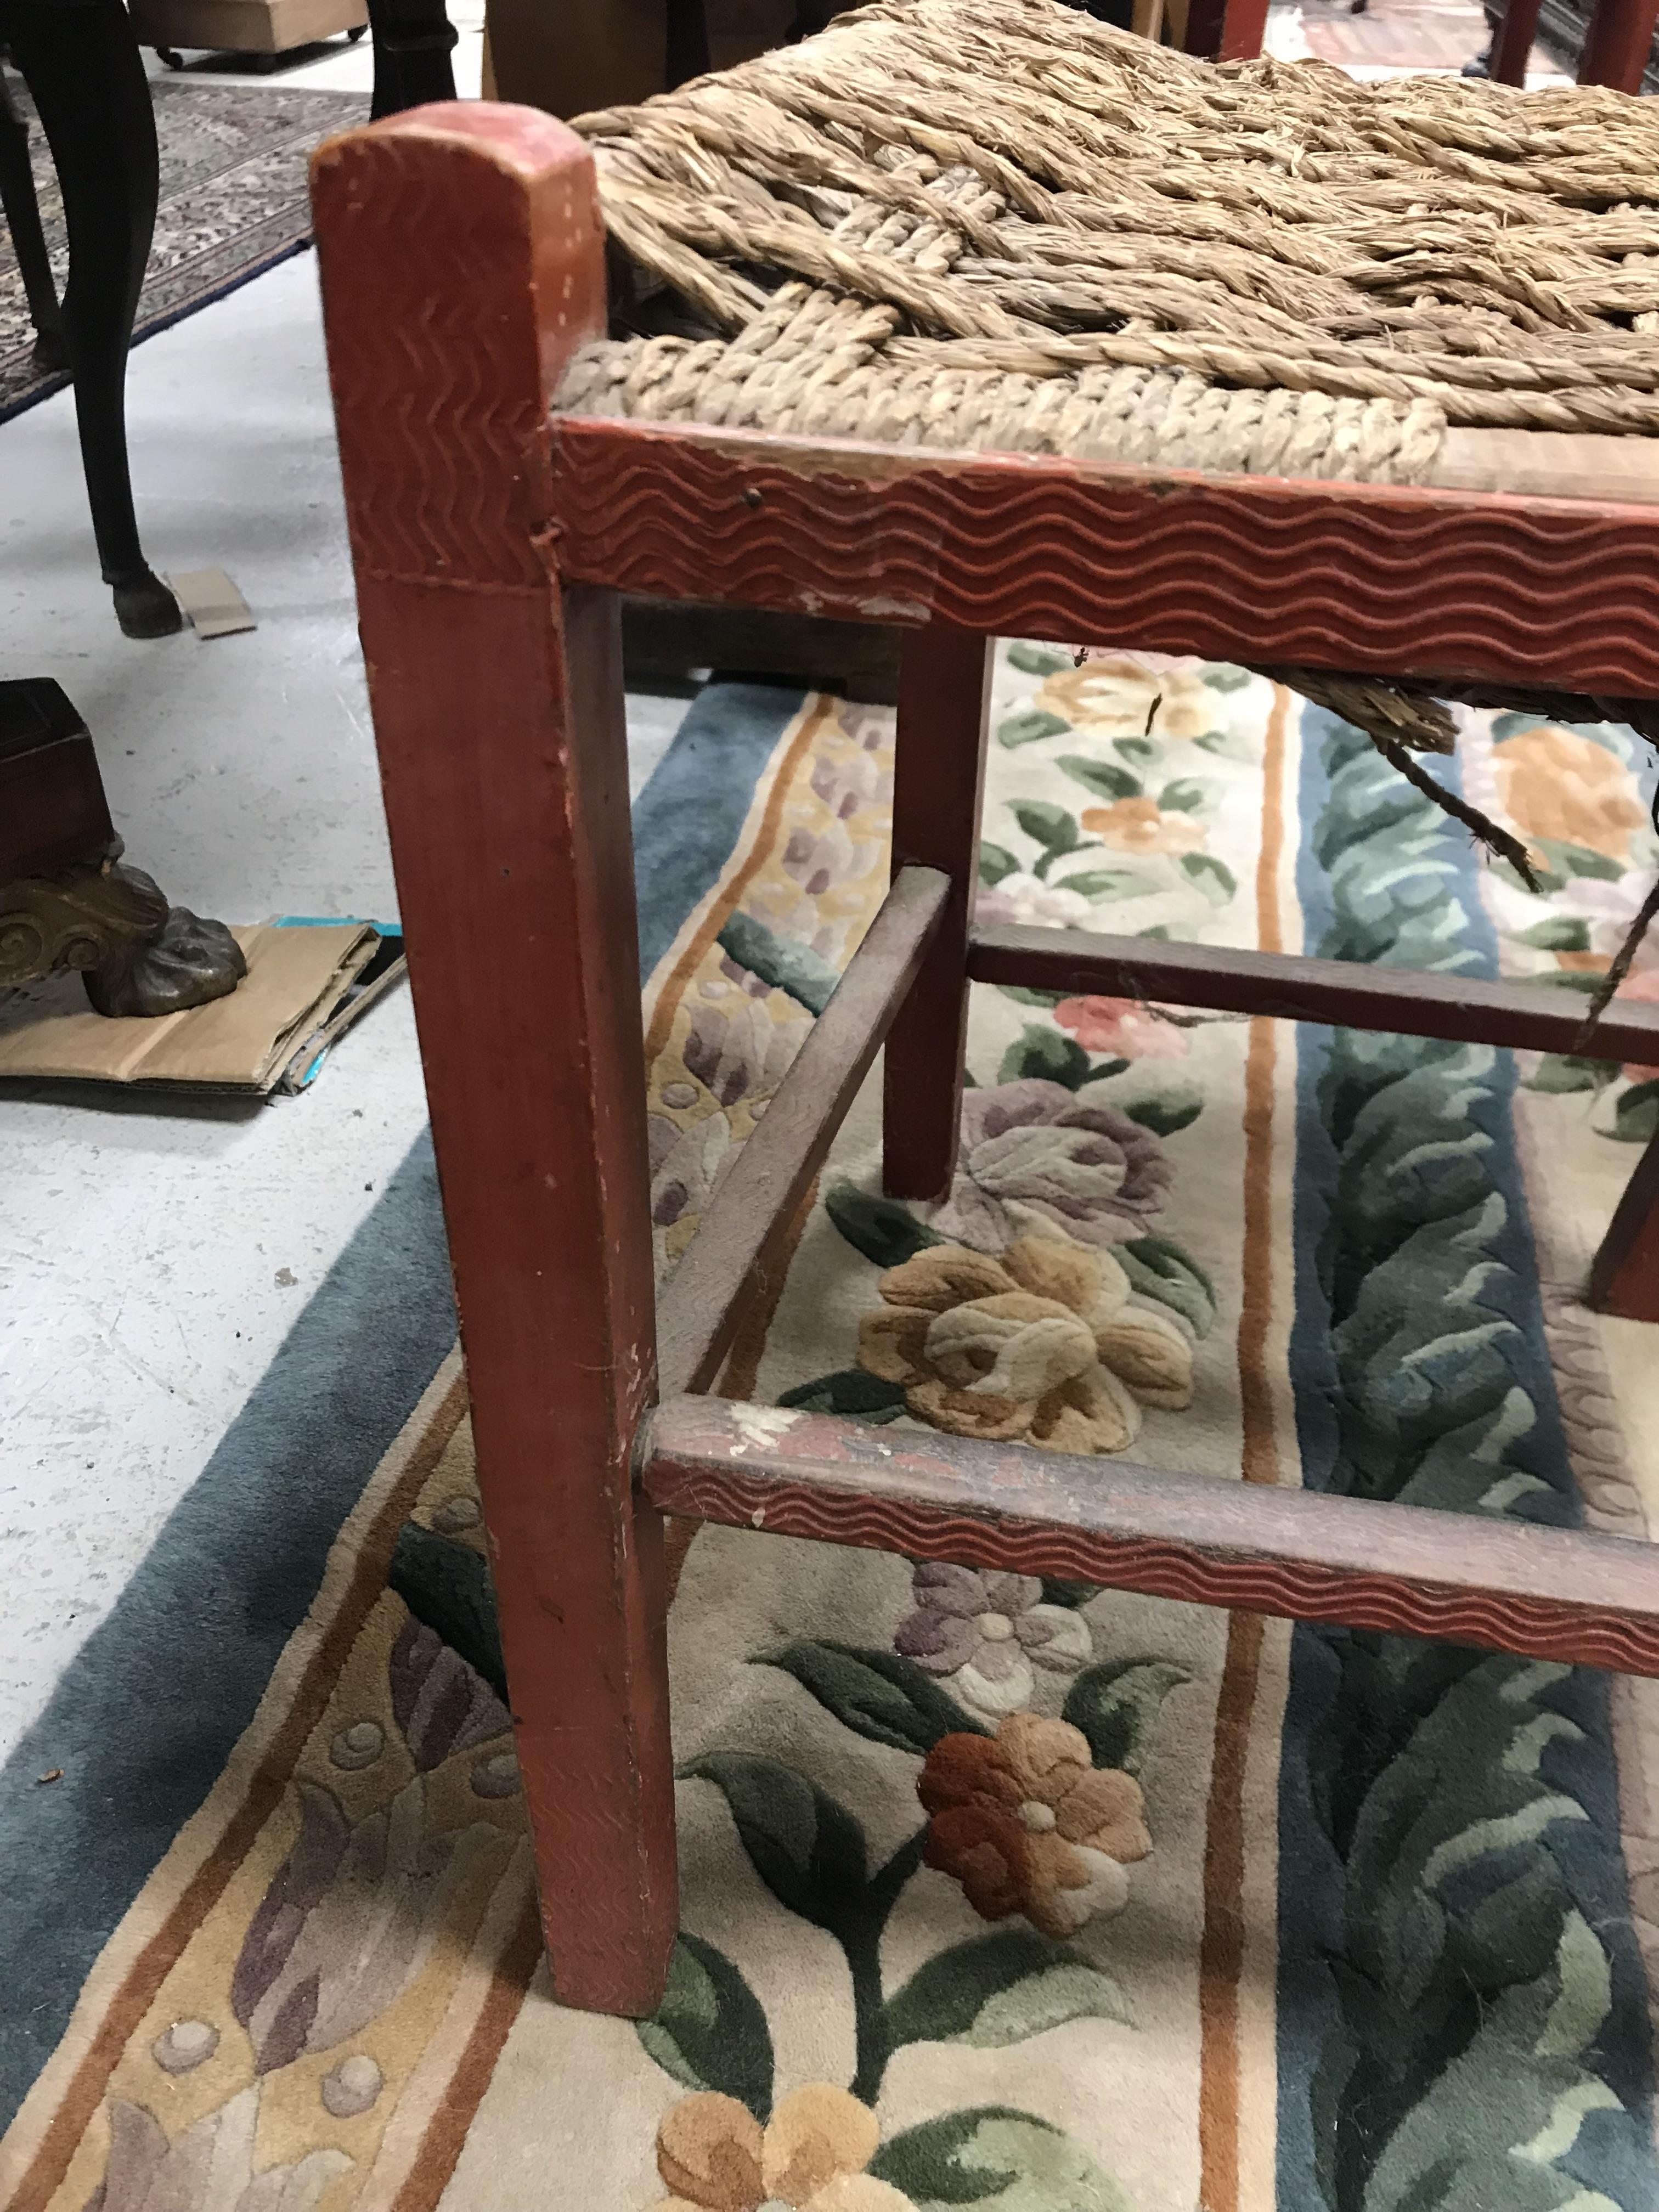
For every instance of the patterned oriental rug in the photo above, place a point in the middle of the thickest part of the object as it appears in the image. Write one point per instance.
(234, 201)
(998, 1893)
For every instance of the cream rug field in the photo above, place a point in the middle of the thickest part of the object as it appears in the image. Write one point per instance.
(1000, 1894)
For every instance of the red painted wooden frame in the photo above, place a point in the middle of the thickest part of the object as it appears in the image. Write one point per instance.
(462, 258)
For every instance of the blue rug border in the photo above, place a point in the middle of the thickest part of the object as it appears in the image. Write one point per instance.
(140, 1738)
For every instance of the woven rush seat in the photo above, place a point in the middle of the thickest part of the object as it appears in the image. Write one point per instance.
(1008, 227)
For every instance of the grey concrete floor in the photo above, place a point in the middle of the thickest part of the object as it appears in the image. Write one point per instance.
(144, 1251)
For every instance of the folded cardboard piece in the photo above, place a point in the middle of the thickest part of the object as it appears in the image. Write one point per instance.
(307, 982)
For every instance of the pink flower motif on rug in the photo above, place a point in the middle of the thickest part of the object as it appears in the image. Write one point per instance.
(983, 1631)
(1121, 1026)
(810, 2156)
(1027, 1824)
(1033, 1150)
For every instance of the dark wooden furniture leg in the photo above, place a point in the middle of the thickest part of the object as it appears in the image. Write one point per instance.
(65, 900)
(498, 711)
(80, 60)
(22, 212)
(945, 697)
(1625, 1273)
(1618, 43)
(1512, 42)
(413, 42)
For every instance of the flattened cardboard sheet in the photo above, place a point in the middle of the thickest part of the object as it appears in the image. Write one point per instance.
(305, 984)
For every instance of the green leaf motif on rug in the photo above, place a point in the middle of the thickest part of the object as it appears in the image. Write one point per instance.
(997, 1989)
(885, 1231)
(1224, 676)
(1476, 2047)
(1490, 2131)
(1056, 1590)
(1186, 795)
(1175, 1106)
(852, 1391)
(1636, 1116)
(993, 2160)
(1116, 1705)
(1037, 659)
(710, 2031)
(1028, 727)
(1053, 827)
(806, 1848)
(1100, 885)
(787, 966)
(1564, 1072)
(1558, 933)
(1567, 861)
(995, 861)
(1213, 877)
(880, 1695)
(1104, 778)
(1048, 1054)
(1158, 1268)
(1136, 748)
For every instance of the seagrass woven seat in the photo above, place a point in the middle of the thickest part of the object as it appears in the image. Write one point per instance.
(971, 320)
(1011, 229)
(1004, 226)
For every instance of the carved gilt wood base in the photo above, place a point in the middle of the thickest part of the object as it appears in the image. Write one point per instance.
(138, 954)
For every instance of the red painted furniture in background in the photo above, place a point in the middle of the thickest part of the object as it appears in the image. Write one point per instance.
(463, 261)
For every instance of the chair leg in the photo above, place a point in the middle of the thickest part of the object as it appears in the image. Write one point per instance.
(22, 209)
(1618, 43)
(1512, 42)
(945, 698)
(1625, 1273)
(83, 68)
(497, 697)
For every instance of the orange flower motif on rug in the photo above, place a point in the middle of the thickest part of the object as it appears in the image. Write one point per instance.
(1045, 1344)
(715, 2156)
(1027, 1824)
(1557, 784)
(1141, 825)
(1121, 697)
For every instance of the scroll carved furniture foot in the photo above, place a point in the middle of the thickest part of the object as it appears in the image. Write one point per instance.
(66, 901)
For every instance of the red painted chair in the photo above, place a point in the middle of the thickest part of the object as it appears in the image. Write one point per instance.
(463, 262)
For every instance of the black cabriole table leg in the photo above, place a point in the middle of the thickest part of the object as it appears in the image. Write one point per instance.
(80, 62)
(413, 41)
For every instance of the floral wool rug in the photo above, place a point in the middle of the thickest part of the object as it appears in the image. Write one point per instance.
(997, 1893)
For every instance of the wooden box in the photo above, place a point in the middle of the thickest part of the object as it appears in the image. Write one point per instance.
(244, 27)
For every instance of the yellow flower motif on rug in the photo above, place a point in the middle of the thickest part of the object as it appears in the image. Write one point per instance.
(1120, 697)
(1557, 784)
(1140, 825)
(1046, 1344)
(811, 2155)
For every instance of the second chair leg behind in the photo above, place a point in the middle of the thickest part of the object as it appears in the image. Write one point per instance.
(945, 698)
